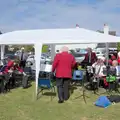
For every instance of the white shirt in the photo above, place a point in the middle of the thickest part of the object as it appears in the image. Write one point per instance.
(118, 70)
(97, 67)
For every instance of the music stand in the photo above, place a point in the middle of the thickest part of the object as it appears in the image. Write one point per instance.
(83, 91)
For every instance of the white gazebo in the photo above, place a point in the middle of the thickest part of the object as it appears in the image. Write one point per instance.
(53, 37)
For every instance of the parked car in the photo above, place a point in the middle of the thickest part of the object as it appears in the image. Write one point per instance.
(79, 56)
(100, 53)
(11, 56)
(44, 60)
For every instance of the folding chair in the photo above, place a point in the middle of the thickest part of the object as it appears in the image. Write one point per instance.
(44, 82)
(18, 77)
(113, 83)
(4, 83)
(27, 79)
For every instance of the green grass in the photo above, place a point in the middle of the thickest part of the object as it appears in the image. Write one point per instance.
(20, 104)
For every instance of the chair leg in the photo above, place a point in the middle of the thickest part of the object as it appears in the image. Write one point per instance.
(53, 89)
(40, 91)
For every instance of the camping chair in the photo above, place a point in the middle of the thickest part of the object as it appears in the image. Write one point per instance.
(44, 82)
(113, 83)
(27, 78)
(78, 75)
(4, 83)
(18, 77)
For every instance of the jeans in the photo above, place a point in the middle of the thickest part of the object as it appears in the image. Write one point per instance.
(63, 88)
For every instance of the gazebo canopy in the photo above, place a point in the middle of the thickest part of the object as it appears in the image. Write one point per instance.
(53, 36)
(56, 36)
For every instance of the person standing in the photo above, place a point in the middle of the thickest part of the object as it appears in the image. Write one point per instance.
(23, 57)
(62, 66)
(90, 58)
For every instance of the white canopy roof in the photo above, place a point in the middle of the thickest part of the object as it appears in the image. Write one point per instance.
(53, 36)
(56, 36)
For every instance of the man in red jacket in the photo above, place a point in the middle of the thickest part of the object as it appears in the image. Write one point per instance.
(90, 57)
(62, 66)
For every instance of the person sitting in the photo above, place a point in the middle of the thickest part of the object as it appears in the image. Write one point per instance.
(117, 66)
(112, 75)
(98, 68)
(10, 68)
(113, 57)
(118, 58)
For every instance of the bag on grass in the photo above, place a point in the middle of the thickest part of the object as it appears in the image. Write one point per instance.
(103, 101)
(114, 98)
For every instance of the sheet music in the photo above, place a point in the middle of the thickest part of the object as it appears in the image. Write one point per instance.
(46, 68)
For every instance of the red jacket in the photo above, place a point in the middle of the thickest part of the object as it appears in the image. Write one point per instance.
(63, 64)
(93, 58)
(113, 57)
(119, 60)
(11, 65)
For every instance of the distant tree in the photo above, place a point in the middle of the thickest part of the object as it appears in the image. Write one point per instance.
(29, 48)
(118, 46)
(45, 48)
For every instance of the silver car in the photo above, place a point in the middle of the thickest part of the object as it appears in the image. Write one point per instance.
(31, 60)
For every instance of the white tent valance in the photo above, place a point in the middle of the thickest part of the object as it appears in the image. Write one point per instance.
(54, 36)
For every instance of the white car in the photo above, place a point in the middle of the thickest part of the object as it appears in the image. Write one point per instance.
(100, 54)
(44, 59)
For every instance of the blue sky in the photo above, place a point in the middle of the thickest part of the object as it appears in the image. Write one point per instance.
(38, 14)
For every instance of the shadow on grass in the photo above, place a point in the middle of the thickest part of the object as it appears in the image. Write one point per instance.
(72, 88)
(49, 94)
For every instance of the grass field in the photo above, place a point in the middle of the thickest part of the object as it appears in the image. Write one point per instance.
(20, 104)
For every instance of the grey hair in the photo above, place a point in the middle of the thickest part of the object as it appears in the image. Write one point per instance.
(64, 49)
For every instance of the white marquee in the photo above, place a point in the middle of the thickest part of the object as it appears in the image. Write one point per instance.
(53, 37)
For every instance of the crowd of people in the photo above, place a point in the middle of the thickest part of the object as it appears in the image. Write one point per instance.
(96, 70)
(18, 65)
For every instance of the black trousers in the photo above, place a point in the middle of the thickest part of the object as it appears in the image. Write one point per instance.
(63, 88)
(23, 64)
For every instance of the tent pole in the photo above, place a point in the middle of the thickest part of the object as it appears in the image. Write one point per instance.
(38, 51)
(52, 51)
(107, 53)
(2, 52)
(106, 31)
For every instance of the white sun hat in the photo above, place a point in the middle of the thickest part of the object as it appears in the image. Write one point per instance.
(102, 58)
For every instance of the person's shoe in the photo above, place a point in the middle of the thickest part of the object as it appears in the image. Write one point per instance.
(60, 101)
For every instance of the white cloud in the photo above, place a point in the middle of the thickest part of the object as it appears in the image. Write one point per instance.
(53, 14)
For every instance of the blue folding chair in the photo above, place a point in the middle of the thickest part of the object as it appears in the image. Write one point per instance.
(45, 83)
(77, 76)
